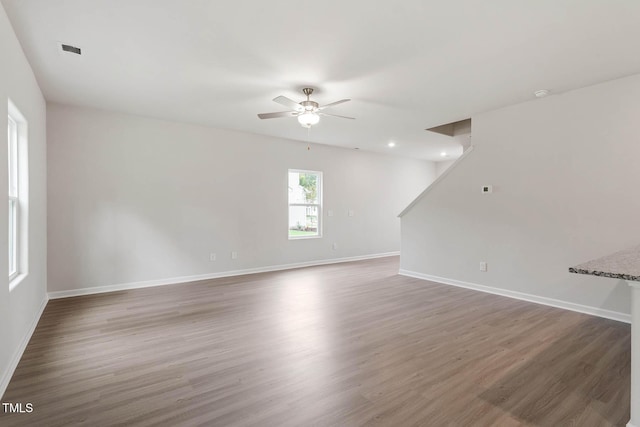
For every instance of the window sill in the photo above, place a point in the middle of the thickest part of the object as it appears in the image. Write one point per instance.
(16, 281)
(304, 237)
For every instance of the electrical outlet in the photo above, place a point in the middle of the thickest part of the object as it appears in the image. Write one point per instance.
(483, 266)
(351, 213)
(334, 246)
(234, 255)
(329, 212)
(212, 256)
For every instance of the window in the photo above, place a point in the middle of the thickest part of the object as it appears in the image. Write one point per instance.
(13, 197)
(17, 191)
(305, 204)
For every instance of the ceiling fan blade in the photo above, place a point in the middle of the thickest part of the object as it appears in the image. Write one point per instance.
(276, 115)
(335, 115)
(283, 100)
(333, 104)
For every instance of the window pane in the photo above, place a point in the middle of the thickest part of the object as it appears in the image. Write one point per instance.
(303, 221)
(303, 187)
(13, 208)
(13, 158)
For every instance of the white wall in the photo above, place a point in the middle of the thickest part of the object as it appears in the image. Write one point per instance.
(134, 199)
(20, 308)
(443, 166)
(566, 184)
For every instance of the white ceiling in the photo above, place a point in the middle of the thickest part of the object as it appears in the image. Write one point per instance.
(407, 65)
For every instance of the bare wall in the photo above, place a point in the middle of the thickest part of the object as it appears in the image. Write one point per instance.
(443, 166)
(20, 307)
(135, 199)
(565, 178)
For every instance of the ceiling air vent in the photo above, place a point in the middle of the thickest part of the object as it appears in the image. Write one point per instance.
(71, 49)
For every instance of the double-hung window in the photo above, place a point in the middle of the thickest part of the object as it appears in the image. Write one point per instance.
(17, 191)
(13, 198)
(305, 204)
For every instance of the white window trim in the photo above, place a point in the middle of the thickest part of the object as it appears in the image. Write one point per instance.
(318, 205)
(22, 197)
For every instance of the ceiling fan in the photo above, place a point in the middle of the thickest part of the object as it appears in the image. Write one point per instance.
(308, 112)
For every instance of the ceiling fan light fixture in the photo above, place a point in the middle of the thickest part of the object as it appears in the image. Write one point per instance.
(308, 112)
(308, 119)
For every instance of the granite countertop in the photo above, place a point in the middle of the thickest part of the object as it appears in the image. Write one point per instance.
(623, 265)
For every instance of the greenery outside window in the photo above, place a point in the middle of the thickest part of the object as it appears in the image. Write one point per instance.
(305, 204)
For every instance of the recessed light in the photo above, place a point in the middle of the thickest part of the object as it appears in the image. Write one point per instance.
(443, 154)
(391, 144)
(541, 93)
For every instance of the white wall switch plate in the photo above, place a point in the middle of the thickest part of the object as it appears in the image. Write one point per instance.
(234, 255)
(483, 266)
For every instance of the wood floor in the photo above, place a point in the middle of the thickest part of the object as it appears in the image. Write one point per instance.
(339, 345)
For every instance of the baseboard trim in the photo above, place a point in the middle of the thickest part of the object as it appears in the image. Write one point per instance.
(594, 311)
(17, 355)
(208, 276)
